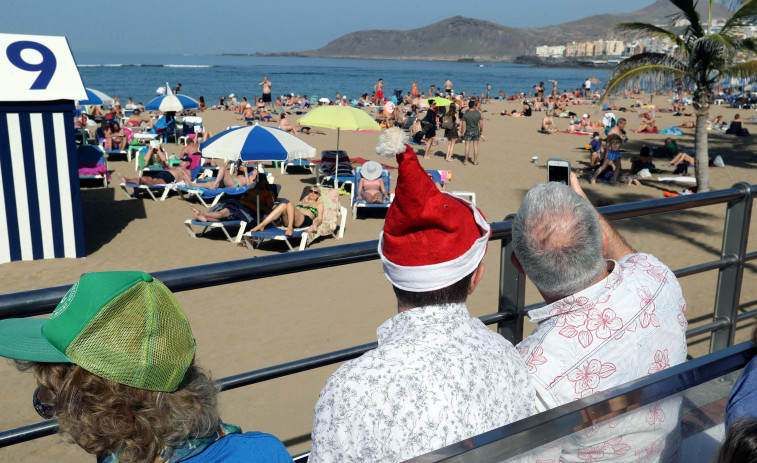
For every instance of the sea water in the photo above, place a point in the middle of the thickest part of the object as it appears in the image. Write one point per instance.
(139, 75)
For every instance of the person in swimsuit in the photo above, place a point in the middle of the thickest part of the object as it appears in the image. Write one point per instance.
(307, 213)
(371, 187)
(447, 87)
(239, 209)
(415, 88)
(164, 177)
(242, 176)
(266, 84)
(294, 129)
(379, 89)
(117, 137)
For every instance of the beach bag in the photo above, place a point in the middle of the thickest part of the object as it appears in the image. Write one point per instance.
(448, 122)
(426, 126)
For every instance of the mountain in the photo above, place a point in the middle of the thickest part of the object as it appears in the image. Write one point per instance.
(460, 37)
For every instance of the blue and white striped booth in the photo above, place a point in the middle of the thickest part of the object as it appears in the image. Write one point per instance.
(40, 202)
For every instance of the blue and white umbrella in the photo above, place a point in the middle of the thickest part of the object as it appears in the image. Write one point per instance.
(171, 102)
(256, 143)
(96, 97)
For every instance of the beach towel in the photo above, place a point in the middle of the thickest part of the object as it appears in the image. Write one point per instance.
(672, 130)
(90, 169)
(576, 133)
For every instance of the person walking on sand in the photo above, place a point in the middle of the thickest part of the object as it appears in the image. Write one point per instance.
(379, 89)
(613, 144)
(448, 87)
(266, 84)
(471, 127)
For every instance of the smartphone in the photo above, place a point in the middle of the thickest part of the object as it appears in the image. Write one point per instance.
(558, 170)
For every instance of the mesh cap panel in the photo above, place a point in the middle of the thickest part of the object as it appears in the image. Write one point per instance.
(141, 339)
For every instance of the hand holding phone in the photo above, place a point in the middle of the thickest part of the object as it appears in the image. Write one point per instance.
(558, 170)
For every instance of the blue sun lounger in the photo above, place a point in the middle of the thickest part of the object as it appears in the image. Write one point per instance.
(360, 202)
(222, 225)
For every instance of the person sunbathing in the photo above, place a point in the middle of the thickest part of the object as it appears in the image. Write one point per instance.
(294, 129)
(242, 176)
(548, 124)
(717, 124)
(180, 173)
(307, 213)
(688, 125)
(203, 106)
(136, 119)
(116, 136)
(584, 125)
(155, 154)
(247, 114)
(244, 208)
(681, 158)
(647, 123)
(371, 187)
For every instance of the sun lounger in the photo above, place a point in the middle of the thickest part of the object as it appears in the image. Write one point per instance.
(92, 164)
(360, 202)
(334, 217)
(189, 223)
(302, 163)
(328, 167)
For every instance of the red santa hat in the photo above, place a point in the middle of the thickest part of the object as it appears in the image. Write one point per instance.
(431, 239)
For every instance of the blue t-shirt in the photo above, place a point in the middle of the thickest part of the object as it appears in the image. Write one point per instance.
(743, 399)
(250, 447)
(595, 145)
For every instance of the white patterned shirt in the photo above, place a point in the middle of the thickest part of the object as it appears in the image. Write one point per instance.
(624, 327)
(437, 377)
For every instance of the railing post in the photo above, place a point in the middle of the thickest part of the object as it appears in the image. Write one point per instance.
(512, 297)
(727, 296)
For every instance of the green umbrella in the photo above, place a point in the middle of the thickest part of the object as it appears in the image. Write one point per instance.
(339, 117)
(439, 101)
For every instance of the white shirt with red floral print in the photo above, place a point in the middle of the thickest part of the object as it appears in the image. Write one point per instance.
(624, 327)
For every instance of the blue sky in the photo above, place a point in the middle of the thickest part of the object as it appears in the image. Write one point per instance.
(217, 26)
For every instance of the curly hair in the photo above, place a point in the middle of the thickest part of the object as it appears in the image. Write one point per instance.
(104, 417)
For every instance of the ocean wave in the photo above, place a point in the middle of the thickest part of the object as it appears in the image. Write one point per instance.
(138, 65)
(188, 65)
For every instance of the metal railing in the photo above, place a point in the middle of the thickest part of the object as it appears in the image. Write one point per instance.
(511, 302)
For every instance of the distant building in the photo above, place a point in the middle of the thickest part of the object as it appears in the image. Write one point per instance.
(547, 51)
(595, 48)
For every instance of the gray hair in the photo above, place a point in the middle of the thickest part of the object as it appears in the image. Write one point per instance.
(557, 238)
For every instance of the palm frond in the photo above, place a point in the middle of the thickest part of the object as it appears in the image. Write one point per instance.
(745, 15)
(650, 30)
(741, 70)
(706, 56)
(723, 40)
(648, 59)
(658, 75)
(690, 13)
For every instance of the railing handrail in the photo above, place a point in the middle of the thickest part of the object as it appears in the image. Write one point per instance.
(43, 301)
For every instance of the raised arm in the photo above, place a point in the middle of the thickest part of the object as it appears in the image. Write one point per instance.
(617, 247)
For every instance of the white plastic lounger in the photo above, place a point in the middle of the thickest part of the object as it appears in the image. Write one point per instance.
(222, 225)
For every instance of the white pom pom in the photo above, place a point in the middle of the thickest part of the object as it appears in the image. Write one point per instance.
(391, 142)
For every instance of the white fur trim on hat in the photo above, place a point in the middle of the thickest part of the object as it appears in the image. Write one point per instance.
(433, 277)
(391, 142)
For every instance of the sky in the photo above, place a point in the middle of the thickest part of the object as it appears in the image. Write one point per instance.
(239, 26)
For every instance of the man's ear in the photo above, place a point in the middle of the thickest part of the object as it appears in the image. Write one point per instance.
(516, 263)
(478, 274)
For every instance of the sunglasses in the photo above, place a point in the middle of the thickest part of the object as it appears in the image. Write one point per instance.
(316, 192)
(44, 410)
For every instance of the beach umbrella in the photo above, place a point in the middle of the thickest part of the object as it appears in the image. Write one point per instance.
(256, 143)
(439, 101)
(171, 103)
(339, 117)
(96, 97)
(594, 79)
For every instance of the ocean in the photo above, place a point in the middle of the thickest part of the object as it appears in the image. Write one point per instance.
(139, 75)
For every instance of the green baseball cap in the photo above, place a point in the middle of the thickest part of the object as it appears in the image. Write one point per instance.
(123, 326)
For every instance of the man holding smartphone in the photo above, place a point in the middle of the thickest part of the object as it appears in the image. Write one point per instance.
(603, 301)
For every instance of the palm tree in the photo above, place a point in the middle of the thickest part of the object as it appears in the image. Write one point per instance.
(700, 58)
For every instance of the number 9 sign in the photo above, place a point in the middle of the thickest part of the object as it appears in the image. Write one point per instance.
(46, 67)
(38, 68)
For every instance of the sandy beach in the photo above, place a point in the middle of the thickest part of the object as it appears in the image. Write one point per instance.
(251, 325)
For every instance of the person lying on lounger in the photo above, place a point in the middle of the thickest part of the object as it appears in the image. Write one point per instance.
(163, 177)
(242, 176)
(307, 213)
(244, 208)
(371, 188)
